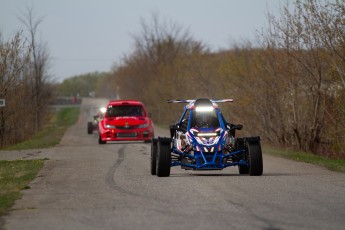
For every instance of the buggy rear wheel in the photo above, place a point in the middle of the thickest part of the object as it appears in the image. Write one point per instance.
(163, 157)
(153, 156)
(255, 158)
(242, 169)
(89, 127)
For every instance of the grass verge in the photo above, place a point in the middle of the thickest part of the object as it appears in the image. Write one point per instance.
(337, 165)
(52, 133)
(15, 176)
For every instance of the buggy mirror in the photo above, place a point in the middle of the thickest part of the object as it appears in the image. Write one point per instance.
(173, 129)
(237, 127)
(150, 115)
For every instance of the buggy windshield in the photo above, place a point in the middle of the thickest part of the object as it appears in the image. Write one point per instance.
(205, 119)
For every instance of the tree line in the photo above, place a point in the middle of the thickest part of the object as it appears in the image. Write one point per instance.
(288, 86)
(23, 83)
(83, 85)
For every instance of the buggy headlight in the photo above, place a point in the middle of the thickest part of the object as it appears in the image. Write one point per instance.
(213, 134)
(204, 109)
(143, 126)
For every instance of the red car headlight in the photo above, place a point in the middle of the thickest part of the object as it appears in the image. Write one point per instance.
(110, 126)
(143, 126)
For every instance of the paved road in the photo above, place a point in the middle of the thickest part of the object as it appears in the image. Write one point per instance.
(89, 186)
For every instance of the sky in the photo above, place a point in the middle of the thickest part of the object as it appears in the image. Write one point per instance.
(84, 36)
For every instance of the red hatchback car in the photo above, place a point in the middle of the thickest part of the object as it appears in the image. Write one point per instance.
(125, 120)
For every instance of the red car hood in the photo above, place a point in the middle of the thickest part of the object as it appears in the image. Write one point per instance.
(126, 121)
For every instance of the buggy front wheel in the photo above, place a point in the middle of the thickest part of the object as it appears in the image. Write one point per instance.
(153, 156)
(255, 158)
(163, 157)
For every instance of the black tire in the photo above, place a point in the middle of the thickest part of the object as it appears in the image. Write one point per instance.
(163, 158)
(153, 156)
(89, 127)
(100, 141)
(242, 169)
(255, 158)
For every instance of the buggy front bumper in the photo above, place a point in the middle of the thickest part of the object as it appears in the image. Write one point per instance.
(203, 161)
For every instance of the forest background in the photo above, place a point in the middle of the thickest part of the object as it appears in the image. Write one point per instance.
(288, 85)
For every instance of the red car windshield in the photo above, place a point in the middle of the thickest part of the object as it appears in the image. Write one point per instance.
(125, 111)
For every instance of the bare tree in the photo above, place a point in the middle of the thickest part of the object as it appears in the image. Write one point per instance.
(14, 60)
(40, 60)
(305, 82)
(24, 85)
(154, 68)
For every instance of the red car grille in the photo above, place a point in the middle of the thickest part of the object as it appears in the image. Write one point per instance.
(126, 127)
(126, 134)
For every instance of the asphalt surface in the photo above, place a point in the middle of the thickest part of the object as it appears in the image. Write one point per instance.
(85, 185)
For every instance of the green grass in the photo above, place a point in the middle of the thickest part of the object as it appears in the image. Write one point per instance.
(14, 177)
(331, 164)
(52, 133)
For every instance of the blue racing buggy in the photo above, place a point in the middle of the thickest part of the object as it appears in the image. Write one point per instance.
(203, 140)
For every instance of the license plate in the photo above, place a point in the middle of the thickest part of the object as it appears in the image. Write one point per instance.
(126, 134)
